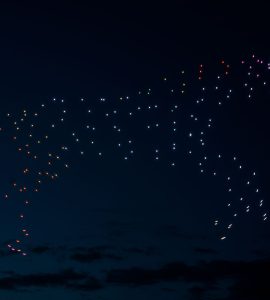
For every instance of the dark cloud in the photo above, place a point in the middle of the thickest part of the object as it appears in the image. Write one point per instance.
(241, 280)
(90, 284)
(145, 251)
(79, 254)
(4, 253)
(174, 231)
(87, 255)
(247, 280)
(90, 254)
(250, 286)
(40, 249)
(65, 279)
(261, 253)
(139, 276)
(205, 251)
(197, 292)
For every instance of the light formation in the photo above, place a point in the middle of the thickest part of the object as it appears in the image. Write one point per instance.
(176, 118)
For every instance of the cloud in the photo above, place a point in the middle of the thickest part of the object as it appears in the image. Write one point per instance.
(149, 251)
(78, 254)
(88, 255)
(65, 279)
(139, 276)
(4, 253)
(243, 280)
(173, 231)
(202, 250)
(252, 285)
(90, 284)
(261, 253)
(40, 249)
(197, 292)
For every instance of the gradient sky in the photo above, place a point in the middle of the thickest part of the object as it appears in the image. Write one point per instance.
(112, 230)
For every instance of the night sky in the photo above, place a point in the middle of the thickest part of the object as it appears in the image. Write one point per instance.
(134, 151)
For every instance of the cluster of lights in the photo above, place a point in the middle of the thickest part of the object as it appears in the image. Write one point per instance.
(124, 121)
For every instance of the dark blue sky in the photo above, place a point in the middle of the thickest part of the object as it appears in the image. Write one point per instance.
(116, 229)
